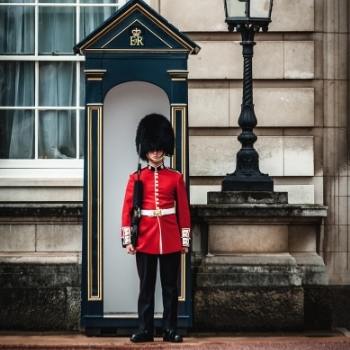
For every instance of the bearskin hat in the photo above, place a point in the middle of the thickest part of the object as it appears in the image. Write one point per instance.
(154, 132)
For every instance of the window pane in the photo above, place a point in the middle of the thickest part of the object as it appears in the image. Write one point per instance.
(57, 84)
(56, 30)
(18, 1)
(57, 134)
(16, 83)
(16, 30)
(61, 1)
(82, 134)
(99, 1)
(16, 134)
(92, 17)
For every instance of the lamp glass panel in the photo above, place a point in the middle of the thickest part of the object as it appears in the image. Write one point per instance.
(260, 8)
(236, 8)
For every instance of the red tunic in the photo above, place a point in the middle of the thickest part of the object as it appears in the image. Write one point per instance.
(163, 188)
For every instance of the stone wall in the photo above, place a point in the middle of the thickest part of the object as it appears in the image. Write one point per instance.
(40, 295)
(40, 266)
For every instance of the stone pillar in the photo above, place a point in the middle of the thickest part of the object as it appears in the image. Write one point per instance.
(335, 33)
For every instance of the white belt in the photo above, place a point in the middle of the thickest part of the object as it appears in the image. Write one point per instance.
(158, 212)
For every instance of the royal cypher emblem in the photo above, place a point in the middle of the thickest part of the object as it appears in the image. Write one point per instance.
(136, 39)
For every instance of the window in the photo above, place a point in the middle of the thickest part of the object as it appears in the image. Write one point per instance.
(41, 80)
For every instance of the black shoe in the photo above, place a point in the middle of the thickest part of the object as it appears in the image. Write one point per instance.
(172, 336)
(141, 337)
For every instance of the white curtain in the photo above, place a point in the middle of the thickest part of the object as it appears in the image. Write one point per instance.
(16, 30)
(16, 126)
(56, 30)
(57, 129)
(57, 134)
(16, 134)
(22, 135)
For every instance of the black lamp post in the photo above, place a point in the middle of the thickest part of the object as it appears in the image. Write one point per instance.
(247, 17)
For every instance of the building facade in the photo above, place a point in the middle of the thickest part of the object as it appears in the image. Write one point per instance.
(301, 96)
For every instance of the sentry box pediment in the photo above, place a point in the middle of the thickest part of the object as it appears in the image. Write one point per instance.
(136, 27)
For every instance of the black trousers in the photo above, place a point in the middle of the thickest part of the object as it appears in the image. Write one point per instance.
(169, 265)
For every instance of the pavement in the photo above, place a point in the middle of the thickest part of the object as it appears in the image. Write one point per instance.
(337, 340)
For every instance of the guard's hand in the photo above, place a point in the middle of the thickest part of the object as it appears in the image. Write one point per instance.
(130, 249)
(184, 250)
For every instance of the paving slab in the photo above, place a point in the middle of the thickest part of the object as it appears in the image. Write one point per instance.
(50, 341)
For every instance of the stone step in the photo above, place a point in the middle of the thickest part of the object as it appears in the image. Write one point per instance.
(325, 341)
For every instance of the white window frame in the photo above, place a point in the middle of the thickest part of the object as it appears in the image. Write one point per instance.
(31, 168)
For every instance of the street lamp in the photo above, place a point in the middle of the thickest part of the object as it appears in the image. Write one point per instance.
(247, 17)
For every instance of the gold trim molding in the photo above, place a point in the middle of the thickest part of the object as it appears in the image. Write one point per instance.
(94, 109)
(178, 75)
(94, 74)
(148, 51)
(183, 109)
(90, 109)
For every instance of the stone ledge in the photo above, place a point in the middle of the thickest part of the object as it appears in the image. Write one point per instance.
(250, 259)
(248, 276)
(313, 212)
(40, 258)
(40, 181)
(39, 209)
(247, 197)
(309, 258)
(75, 209)
(257, 270)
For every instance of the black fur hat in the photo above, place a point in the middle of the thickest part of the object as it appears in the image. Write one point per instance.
(154, 132)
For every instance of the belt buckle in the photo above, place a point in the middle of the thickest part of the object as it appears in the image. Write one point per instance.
(157, 212)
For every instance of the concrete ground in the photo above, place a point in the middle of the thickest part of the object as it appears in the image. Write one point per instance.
(338, 340)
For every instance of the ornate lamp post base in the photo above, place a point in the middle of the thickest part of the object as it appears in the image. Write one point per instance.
(247, 183)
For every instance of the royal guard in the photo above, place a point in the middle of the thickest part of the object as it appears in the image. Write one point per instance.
(158, 228)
